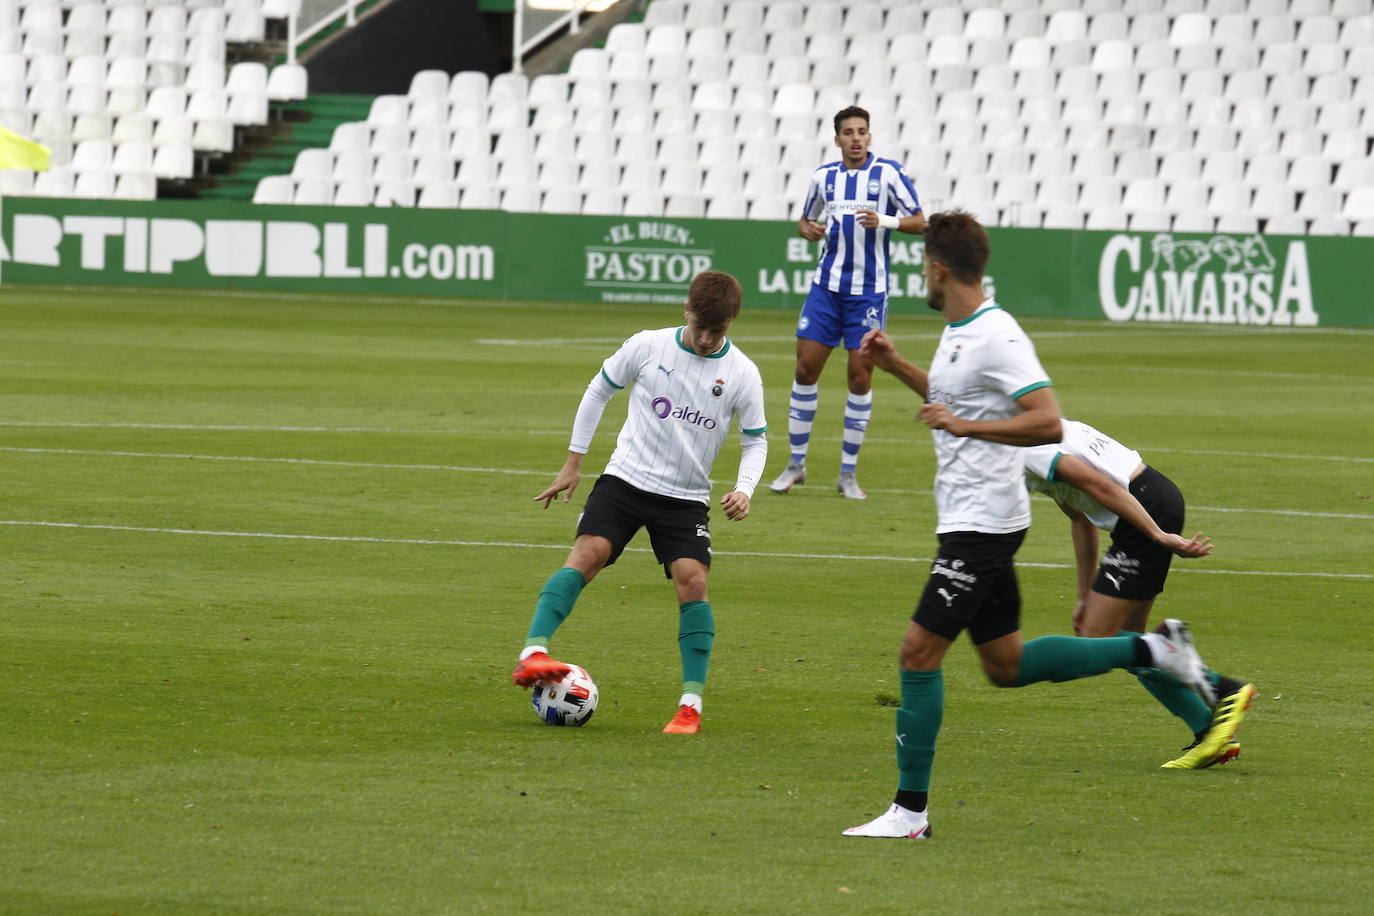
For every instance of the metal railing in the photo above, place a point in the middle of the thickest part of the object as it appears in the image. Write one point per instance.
(541, 22)
(535, 21)
(313, 17)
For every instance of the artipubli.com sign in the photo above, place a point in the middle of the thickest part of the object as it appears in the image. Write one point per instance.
(1213, 278)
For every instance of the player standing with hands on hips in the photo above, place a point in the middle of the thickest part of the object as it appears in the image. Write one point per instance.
(689, 383)
(863, 198)
(986, 394)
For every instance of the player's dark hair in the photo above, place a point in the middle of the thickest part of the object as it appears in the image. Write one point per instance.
(714, 297)
(844, 114)
(957, 240)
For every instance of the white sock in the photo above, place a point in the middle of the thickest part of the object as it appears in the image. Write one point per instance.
(691, 699)
(1159, 648)
(530, 650)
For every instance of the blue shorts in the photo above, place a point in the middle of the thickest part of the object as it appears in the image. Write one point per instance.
(828, 317)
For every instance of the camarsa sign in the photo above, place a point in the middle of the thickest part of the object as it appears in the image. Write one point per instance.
(1219, 280)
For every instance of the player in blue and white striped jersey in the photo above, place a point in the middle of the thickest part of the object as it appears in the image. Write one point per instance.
(862, 198)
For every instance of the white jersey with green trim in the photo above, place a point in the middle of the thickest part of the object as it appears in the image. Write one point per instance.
(1094, 448)
(983, 364)
(680, 411)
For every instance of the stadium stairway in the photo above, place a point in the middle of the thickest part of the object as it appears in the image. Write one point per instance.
(296, 126)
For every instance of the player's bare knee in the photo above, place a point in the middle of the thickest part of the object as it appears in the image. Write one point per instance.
(914, 657)
(1000, 675)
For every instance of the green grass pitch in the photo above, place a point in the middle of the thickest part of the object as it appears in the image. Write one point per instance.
(268, 562)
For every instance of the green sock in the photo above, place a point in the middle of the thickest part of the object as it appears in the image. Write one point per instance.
(918, 722)
(556, 601)
(696, 630)
(1067, 658)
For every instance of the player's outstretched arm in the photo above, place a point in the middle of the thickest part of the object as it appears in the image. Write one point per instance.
(878, 348)
(566, 481)
(1118, 499)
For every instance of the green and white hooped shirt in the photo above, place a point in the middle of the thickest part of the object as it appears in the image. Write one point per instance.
(982, 365)
(680, 410)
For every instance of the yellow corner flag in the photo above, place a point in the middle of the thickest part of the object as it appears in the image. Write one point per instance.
(18, 153)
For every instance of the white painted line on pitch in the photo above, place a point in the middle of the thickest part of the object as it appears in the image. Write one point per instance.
(468, 431)
(304, 461)
(879, 558)
(464, 469)
(1208, 451)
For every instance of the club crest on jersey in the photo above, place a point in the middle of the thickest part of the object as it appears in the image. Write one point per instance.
(953, 357)
(873, 186)
(719, 387)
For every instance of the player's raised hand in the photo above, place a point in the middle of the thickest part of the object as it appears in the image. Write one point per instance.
(1198, 545)
(736, 505)
(878, 348)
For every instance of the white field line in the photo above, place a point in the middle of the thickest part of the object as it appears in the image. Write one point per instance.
(467, 469)
(877, 558)
(451, 431)
(1106, 329)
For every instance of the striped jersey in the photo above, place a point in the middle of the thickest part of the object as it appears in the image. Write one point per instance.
(982, 365)
(680, 411)
(1096, 449)
(854, 259)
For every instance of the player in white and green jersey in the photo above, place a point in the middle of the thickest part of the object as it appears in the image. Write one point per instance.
(1101, 484)
(986, 393)
(687, 385)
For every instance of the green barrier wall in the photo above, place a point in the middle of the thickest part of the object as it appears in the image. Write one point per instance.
(1119, 276)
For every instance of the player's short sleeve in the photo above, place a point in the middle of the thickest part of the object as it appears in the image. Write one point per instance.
(623, 366)
(815, 197)
(1013, 368)
(1041, 459)
(903, 191)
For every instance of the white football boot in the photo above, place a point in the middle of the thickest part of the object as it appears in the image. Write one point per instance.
(848, 486)
(898, 824)
(791, 476)
(1171, 645)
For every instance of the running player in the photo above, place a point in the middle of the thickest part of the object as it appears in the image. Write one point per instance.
(1099, 483)
(986, 393)
(689, 382)
(862, 198)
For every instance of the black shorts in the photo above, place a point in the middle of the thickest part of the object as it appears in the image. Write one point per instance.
(972, 587)
(677, 527)
(1135, 567)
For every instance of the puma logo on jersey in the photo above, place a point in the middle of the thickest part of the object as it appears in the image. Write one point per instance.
(667, 372)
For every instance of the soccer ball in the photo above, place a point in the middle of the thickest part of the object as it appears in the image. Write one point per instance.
(568, 701)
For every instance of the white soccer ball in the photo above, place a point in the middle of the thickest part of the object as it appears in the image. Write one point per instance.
(568, 701)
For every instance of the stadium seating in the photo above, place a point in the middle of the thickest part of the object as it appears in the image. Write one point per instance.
(144, 80)
(1152, 114)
